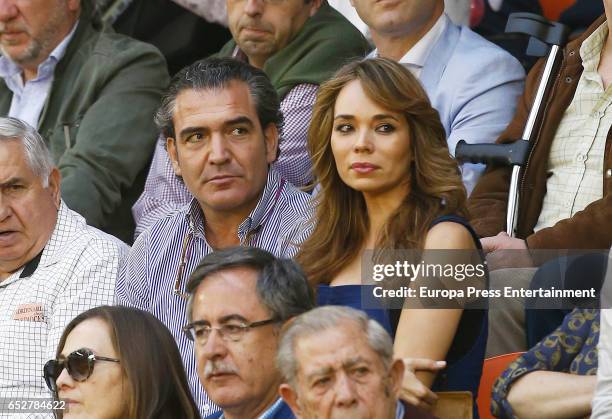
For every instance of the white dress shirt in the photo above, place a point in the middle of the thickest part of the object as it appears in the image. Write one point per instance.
(76, 271)
(415, 58)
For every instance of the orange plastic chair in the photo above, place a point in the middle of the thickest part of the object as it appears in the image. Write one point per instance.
(553, 8)
(491, 369)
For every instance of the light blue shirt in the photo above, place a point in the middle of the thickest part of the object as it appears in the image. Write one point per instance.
(473, 84)
(399, 410)
(272, 410)
(30, 98)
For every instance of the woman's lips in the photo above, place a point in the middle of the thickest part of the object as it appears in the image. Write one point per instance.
(364, 167)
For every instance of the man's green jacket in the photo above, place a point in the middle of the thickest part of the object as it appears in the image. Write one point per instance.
(98, 122)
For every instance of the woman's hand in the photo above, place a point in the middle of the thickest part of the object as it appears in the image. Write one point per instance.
(413, 390)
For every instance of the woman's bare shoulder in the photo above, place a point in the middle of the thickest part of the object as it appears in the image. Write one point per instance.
(449, 235)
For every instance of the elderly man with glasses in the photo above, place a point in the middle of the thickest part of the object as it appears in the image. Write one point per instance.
(239, 298)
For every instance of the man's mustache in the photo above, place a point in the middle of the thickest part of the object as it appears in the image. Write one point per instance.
(254, 24)
(5, 28)
(218, 367)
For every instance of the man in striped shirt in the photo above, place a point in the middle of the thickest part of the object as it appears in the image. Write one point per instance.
(220, 117)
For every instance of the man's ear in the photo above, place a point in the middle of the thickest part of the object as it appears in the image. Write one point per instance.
(314, 6)
(396, 375)
(271, 138)
(290, 397)
(54, 186)
(173, 154)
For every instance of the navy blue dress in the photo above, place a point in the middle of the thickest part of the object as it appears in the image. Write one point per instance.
(466, 354)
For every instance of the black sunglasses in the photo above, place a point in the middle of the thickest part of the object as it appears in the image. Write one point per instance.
(79, 365)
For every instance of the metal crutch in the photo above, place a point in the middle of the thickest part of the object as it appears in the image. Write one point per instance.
(545, 36)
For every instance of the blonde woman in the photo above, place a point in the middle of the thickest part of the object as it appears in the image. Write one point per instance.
(387, 181)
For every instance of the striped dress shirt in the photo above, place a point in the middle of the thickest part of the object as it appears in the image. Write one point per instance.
(278, 224)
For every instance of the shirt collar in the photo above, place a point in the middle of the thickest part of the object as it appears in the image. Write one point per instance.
(253, 222)
(418, 54)
(9, 69)
(30, 267)
(195, 217)
(48, 255)
(278, 404)
(239, 54)
(399, 410)
(270, 412)
(590, 50)
(55, 247)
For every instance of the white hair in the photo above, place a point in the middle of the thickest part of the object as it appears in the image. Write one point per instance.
(37, 154)
(324, 318)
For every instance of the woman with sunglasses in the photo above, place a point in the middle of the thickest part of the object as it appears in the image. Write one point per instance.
(119, 362)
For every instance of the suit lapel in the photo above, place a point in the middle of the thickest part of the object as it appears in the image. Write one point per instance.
(436, 63)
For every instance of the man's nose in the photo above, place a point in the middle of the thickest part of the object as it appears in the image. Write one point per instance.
(219, 153)
(254, 7)
(5, 208)
(215, 346)
(346, 395)
(8, 10)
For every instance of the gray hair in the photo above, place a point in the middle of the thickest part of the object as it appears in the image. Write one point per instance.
(37, 154)
(281, 287)
(324, 318)
(217, 73)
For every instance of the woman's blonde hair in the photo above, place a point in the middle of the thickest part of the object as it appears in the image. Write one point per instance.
(436, 188)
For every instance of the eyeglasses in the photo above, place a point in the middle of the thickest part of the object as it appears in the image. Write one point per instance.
(181, 268)
(79, 364)
(200, 330)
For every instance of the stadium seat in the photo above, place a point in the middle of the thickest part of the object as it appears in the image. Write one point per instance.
(453, 405)
(492, 368)
(553, 8)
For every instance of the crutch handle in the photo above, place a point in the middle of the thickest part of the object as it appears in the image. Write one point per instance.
(544, 30)
(510, 154)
